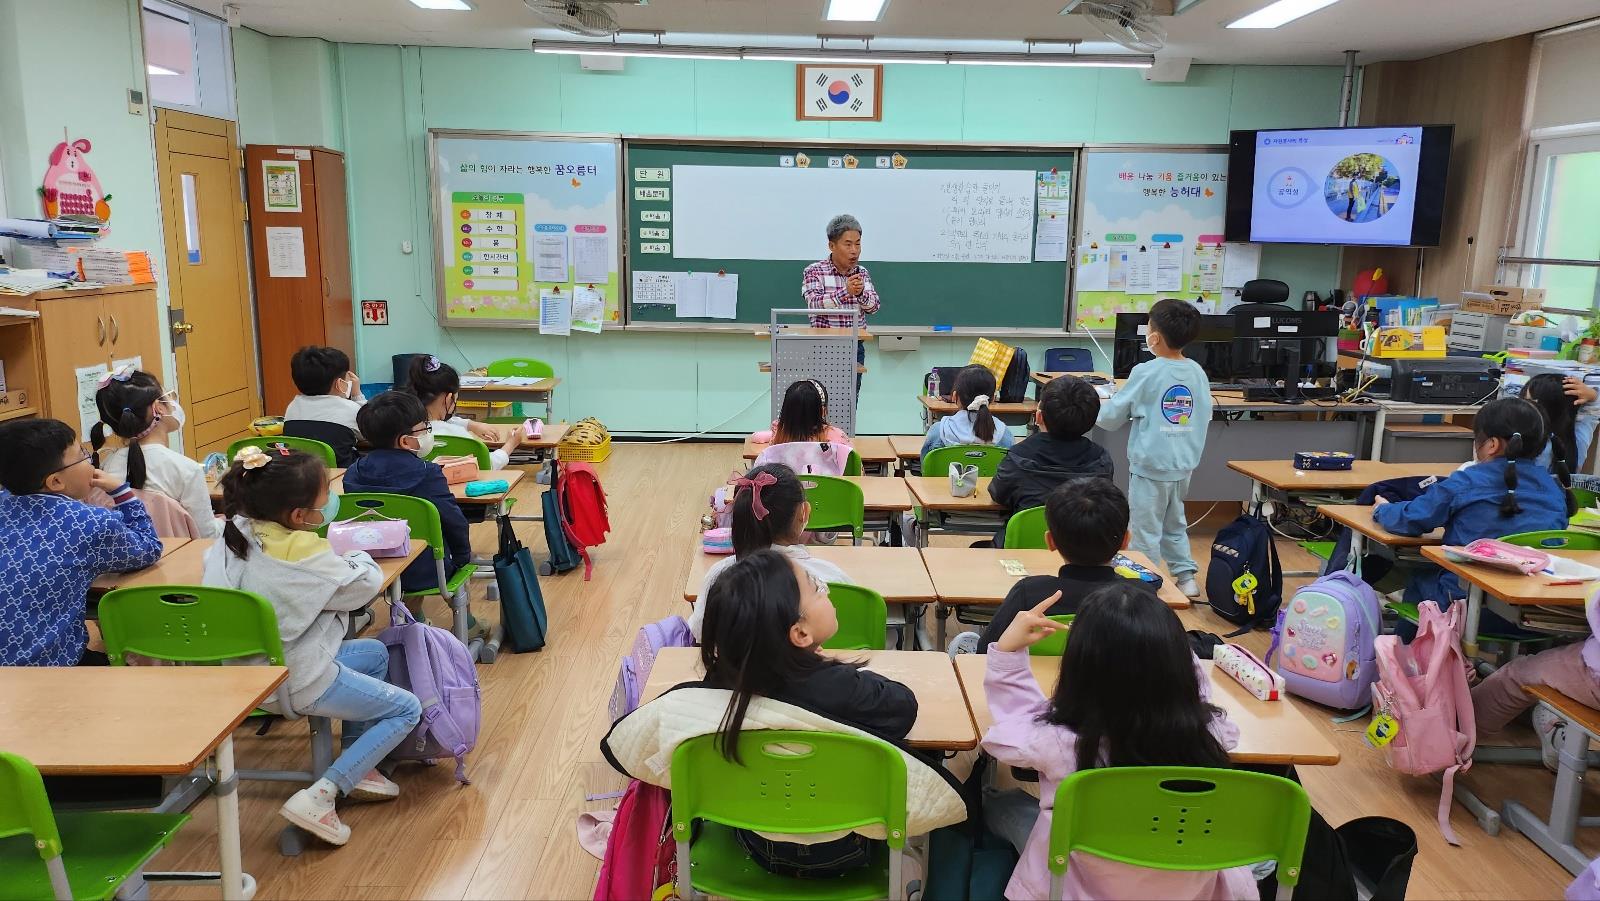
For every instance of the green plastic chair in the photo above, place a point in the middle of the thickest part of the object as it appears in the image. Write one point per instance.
(852, 464)
(525, 367)
(1054, 644)
(107, 847)
(836, 504)
(1179, 818)
(863, 617)
(1026, 529)
(986, 457)
(457, 446)
(423, 517)
(1584, 497)
(308, 445)
(1555, 540)
(792, 783)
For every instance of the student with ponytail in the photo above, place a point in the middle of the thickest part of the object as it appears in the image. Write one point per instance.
(973, 423)
(437, 385)
(133, 408)
(275, 500)
(1505, 492)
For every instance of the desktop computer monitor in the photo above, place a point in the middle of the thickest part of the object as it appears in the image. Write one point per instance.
(1212, 348)
(1288, 345)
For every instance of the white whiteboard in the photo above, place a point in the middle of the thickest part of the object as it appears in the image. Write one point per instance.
(907, 215)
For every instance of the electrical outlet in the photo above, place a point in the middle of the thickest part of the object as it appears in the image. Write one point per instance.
(135, 102)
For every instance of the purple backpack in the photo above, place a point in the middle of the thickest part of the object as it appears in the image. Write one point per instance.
(671, 632)
(1326, 634)
(435, 666)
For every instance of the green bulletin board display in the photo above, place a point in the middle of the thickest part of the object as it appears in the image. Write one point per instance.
(952, 290)
(1149, 227)
(518, 214)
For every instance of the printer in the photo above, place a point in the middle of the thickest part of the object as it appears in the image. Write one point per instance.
(1444, 380)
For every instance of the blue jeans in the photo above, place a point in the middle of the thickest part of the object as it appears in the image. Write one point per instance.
(1157, 523)
(376, 715)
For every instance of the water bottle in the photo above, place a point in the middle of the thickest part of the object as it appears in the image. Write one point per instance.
(933, 384)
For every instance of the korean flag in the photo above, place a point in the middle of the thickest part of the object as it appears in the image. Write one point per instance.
(838, 92)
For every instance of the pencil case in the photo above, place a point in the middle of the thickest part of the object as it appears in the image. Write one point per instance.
(1323, 460)
(459, 469)
(1248, 670)
(717, 541)
(494, 486)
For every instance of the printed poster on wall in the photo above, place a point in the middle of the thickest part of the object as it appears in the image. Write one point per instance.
(518, 216)
(1150, 212)
(280, 180)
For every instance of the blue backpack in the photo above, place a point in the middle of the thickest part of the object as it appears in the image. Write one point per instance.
(563, 556)
(1245, 546)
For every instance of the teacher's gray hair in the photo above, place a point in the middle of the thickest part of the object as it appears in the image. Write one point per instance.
(842, 223)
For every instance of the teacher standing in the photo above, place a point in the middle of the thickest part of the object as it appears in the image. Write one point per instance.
(839, 282)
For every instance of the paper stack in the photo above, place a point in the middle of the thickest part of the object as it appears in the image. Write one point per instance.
(104, 265)
(62, 228)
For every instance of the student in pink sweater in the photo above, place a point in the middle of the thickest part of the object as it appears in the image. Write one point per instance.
(1131, 693)
(803, 416)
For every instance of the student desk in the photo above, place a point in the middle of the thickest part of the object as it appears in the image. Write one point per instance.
(542, 391)
(936, 408)
(1512, 588)
(975, 515)
(547, 441)
(1280, 475)
(1358, 518)
(1272, 733)
(975, 577)
(459, 490)
(1557, 835)
(122, 721)
(875, 450)
(896, 573)
(907, 448)
(334, 475)
(1042, 379)
(943, 721)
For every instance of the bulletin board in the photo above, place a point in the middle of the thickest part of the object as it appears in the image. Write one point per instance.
(1149, 227)
(520, 214)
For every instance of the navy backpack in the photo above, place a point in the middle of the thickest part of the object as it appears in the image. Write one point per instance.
(1245, 545)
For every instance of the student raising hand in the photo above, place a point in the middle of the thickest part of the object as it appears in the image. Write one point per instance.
(1031, 626)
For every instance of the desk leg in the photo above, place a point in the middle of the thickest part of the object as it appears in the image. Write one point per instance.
(1555, 836)
(1358, 542)
(235, 886)
(941, 613)
(1469, 632)
(1377, 431)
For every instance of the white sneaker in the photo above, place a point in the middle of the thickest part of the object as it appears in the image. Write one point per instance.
(321, 820)
(1551, 729)
(1189, 587)
(965, 643)
(375, 786)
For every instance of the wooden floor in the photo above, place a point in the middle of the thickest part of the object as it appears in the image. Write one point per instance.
(512, 832)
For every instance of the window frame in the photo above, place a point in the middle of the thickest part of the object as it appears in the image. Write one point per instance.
(1533, 217)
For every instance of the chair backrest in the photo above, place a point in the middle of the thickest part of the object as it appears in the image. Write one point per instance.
(1068, 359)
(1556, 540)
(1179, 818)
(527, 367)
(796, 783)
(1026, 529)
(1054, 644)
(189, 624)
(836, 503)
(25, 808)
(852, 463)
(1584, 497)
(420, 513)
(461, 446)
(863, 615)
(986, 457)
(315, 448)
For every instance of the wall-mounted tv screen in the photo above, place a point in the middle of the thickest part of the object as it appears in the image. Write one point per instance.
(1360, 186)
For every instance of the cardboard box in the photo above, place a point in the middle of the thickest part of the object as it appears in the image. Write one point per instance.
(1504, 300)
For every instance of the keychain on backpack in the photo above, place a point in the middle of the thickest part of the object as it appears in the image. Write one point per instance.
(1382, 730)
(1244, 591)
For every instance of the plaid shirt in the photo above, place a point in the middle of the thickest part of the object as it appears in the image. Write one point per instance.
(824, 288)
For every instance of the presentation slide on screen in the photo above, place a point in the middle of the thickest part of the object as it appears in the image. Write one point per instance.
(1335, 186)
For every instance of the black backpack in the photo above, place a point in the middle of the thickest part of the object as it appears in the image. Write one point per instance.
(1014, 387)
(1245, 545)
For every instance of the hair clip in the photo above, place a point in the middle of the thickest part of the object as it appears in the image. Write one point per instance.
(283, 449)
(251, 457)
(821, 391)
(433, 364)
(978, 403)
(120, 374)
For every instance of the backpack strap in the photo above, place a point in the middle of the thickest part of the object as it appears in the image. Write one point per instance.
(1277, 637)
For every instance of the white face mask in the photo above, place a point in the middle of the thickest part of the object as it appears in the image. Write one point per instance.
(424, 444)
(175, 414)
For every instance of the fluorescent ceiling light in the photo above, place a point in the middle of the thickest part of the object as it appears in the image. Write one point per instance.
(153, 69)
(576, 48)
(855, 10)
(459, 5)
(1272, 15)
(844, 57)
(822, 56)
(1023, 59)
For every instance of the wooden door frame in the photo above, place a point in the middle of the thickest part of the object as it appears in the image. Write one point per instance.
(171, 206)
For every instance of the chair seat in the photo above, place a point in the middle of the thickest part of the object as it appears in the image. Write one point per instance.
(451, 585)
(101, 851)
(722, 868)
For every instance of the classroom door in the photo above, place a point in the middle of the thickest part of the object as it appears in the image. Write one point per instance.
(213, 334)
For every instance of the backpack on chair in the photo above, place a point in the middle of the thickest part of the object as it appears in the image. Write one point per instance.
(1244, 547)
(1013, 386)
(435, 666)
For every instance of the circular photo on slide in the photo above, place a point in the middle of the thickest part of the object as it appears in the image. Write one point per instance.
(1362, 187)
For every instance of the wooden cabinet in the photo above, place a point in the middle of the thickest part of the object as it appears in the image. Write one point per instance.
(91, 327)
(295, 310)
(20, 359)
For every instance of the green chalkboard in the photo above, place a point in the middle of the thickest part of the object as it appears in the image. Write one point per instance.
(975, 294)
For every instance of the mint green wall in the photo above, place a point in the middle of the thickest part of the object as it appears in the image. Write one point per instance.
(252, 78)
(287, 90)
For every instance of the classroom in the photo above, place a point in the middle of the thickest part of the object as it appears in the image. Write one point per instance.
(480, 449)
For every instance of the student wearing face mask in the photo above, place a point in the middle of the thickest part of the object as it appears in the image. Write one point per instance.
(396, 425)
(134, 409)
(329, 399)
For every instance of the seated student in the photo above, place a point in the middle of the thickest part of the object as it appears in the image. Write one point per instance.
(396, 426)
(973, 423)
(1130, 693)
(133, 407)
(330, 396)
(803, 416)
(1059, 451)
(1088, 520)
(275, 503)
(436, 384)
(1570, 413)
(52, 544)
(1504, 493)
(770, 510)
(766, 618)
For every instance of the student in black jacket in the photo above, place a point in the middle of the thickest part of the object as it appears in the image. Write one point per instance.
(1088, 520)
(1057, 452)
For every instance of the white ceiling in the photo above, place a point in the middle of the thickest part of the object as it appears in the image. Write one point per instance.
(1380, 29)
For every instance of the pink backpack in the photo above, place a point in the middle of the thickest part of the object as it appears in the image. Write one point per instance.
(1423, 686)
(820, 458)
(641, 855)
